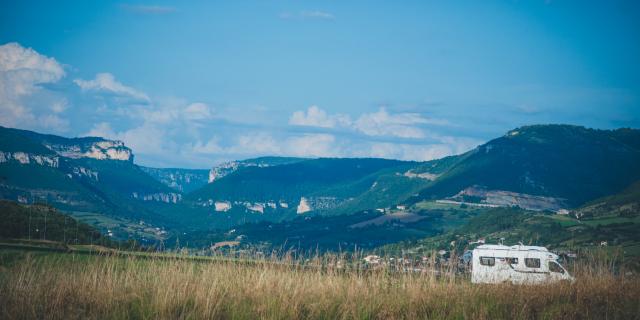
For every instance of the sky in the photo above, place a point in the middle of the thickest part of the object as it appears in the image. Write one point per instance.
(195, 83)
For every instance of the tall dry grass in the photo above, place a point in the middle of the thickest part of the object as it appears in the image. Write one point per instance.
(58, 286)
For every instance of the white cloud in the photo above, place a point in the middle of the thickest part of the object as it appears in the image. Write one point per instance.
(256, 143)
(380, 123)
(145, 139)
(22, 70)
(312, 145)
(177, 131)
(164, 130)
(401, 125)
(212, 147)
(317, 14)
(28, 65)
(197, 111)
(316, 117)
(307, 15)
(53, 122)
(107, 83)
(410, 152)
(102, 129)
(59, 106)
(325, 145)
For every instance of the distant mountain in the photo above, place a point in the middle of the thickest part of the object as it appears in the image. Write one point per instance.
(227, 168)
(538, 168)
(181, 180)
(545, 167)
(321, 185)
(560, 165)
(77, 174)
(609, 221)
(16, 140)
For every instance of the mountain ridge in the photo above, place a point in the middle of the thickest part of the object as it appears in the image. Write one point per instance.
(542, 167)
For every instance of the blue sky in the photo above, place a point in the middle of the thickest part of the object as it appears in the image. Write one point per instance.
(192, 84)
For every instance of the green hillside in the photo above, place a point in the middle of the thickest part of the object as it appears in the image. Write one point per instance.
(35, 183)
(42, 222)
(180, 180)
(612, 221)
(77, 184)
(623, 204)
(574, 164)
(291, 181)
(561, 161)
(13, 140)
(363, 230)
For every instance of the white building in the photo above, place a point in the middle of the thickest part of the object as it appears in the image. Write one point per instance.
(372, 259)
(222, 206)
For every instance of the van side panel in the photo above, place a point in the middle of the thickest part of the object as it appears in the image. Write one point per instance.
(510, 266)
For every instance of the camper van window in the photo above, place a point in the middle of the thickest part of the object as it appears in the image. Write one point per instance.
(512, 260)
(487, 261)
(555, 267)
(532, 262)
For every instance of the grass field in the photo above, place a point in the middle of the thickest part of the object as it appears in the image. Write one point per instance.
(48, 285)
(122, 228)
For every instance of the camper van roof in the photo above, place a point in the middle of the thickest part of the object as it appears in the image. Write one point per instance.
(516, 247)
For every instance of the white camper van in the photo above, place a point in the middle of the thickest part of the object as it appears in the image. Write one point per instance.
(516, 264)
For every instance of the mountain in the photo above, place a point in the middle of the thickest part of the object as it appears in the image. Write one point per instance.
(609, 221)
(181, 180)
(81, 175)
(321, 185)
(363, 230)
(16, 140)
(541, 167)
(544, 167)
(226, 168)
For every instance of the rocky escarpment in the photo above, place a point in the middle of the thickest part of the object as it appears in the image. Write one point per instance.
(501, 198)
(30, 158)
(308, 204)
(17, 140)
(166, 197)
(86, 148)
(83, 172)
(183, 180)
(227, 168)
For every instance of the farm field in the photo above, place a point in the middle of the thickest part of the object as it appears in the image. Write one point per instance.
(49, 285)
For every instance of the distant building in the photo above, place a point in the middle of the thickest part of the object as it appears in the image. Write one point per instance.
(222, 206)
(372, 259)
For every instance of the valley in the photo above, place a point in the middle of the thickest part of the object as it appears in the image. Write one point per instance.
(556, 183)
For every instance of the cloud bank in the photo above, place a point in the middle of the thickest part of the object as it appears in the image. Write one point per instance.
(107, 83)
(22, 72)
(37, 93)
